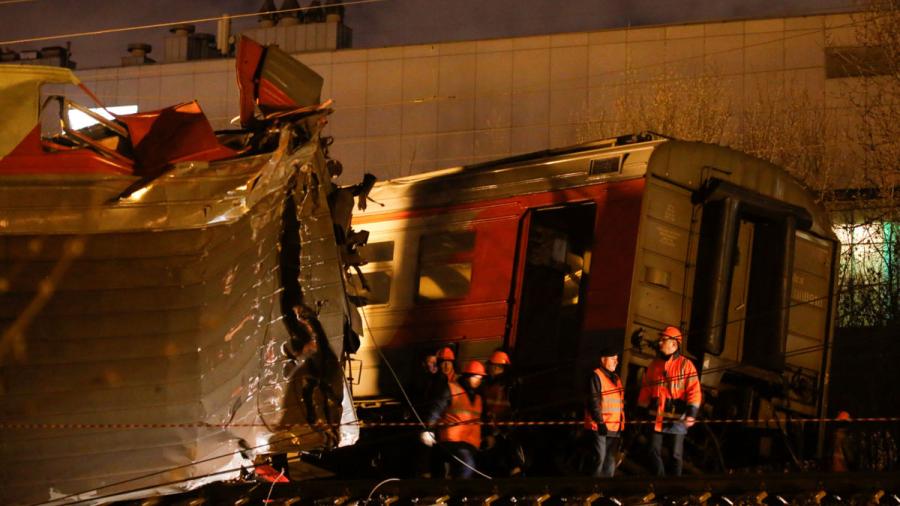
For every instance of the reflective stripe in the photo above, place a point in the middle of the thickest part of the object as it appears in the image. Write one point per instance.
(675, 378)
(611, 404)
(462, 418)
(496, 401)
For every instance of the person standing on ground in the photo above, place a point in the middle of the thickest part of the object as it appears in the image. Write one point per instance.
(458, 413)
(503, 454)
(425, 387)
(671, 393)
(605, 412)
(447, 362)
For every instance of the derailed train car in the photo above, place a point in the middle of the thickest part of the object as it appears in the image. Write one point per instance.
(171, 299)
(557, 254)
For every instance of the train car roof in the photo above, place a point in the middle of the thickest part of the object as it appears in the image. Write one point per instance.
(683, 163)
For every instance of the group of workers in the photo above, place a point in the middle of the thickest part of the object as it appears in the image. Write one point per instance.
(464, 410)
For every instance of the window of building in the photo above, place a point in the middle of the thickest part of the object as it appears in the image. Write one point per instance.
(856, 61)
(445, 265)
(869, 273)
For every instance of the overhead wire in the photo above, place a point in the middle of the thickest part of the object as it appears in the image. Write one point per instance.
(182, 22)
(254, 14)
(587, 76)
(410, 403)
(592, 87)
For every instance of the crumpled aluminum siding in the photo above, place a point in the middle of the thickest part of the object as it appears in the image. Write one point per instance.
(166, 312)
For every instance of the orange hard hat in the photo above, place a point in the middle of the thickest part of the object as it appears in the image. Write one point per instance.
(446, 353)
(671, 333)
(499, 358)
(843, 415)
(474, 367)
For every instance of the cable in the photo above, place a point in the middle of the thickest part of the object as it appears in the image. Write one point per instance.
(725, 367)
(537, 88)
(164, 471)
(803, 33)
(175, 23)
(160, 485)
(408, 401)
(380, 484)
(272, 487)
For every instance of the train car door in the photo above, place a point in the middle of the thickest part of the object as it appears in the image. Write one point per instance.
(546, 317)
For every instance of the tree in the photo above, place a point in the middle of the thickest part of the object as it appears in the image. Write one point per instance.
(848, 155)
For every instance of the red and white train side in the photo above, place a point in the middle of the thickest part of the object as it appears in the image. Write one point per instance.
(556, 254)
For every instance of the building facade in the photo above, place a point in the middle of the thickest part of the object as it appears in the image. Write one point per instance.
(409, 109)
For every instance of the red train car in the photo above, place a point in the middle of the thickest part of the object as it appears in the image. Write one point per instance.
(557, 254)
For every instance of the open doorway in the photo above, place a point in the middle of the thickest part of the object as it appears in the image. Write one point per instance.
(553, 277)
(742, 290)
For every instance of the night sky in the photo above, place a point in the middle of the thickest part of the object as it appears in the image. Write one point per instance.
(382, 23)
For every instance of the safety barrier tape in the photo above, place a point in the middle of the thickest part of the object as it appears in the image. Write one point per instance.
(374, 424)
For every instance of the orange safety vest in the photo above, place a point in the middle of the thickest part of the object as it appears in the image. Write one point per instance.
(611, 403)
(838, 459)
(460, 422)
(450, 377)
(674, 378)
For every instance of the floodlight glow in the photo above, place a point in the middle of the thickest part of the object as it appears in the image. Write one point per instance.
(79, 120)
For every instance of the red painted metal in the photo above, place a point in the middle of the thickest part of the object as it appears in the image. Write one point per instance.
(159, 138)
(249, 58)
(32, 156)
(270, 95)
(483, 313)
(171, 135)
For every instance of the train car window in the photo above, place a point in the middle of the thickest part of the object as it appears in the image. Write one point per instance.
(445, 265)
(377, 252)
(605, 165)
(445, 245)
(379, 287)
(377, 272)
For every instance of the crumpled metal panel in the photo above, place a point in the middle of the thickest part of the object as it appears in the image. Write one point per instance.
(143, 339)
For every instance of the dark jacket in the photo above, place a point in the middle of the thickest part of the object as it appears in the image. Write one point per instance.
(442, 400)
(594, 395)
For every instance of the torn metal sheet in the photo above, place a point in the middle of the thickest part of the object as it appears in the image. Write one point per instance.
(159, 334)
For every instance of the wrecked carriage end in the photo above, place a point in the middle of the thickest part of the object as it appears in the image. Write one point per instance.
(143, 332)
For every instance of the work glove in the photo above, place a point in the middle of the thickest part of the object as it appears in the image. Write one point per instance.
(427, 438)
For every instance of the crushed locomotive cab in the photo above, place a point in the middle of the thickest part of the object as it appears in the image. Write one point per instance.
(172, 303)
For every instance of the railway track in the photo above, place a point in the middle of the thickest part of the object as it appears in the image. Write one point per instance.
(856, 489)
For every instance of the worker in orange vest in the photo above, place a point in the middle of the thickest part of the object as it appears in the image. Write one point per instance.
(503, 455)
(497, 388)
(447, 362)
(671, 393)
(843, 454)
(458, 411)
(604, 413)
